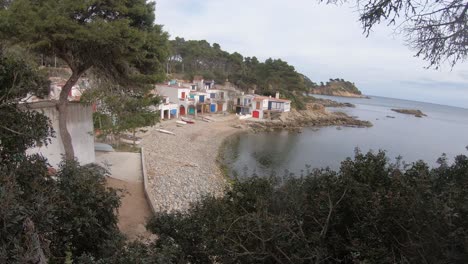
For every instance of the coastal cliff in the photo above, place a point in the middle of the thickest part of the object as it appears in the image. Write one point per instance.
(337, 87)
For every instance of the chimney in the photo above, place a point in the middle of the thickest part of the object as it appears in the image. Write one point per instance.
(277, 95)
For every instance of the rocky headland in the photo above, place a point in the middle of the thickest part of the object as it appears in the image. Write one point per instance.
(338, 87)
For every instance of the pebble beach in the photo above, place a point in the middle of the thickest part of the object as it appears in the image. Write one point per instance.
(183, 168)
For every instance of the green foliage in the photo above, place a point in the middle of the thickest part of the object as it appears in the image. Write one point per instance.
(73, 213)
(335, 86)
(18, 80)
(121, 110)
(87, 212)
(117, 39)
(43, 215)
(26, 193)
(132, 112)
(368, 212)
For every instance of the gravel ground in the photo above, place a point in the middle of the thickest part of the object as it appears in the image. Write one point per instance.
(182, 168)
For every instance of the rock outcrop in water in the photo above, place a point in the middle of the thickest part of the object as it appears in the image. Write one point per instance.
(329, 103)
(415, 112)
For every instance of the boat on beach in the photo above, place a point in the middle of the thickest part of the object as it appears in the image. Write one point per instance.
(165, 132)
(208, 118)
(129, 139)
(181, 122)
(188, 120)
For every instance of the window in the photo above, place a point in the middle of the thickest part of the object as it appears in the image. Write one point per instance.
(276, 105)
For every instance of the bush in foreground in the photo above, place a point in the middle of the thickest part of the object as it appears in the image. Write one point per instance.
(368, 212)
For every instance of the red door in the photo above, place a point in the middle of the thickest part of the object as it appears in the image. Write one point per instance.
(256, 114)
(183, 95)
(182, 110)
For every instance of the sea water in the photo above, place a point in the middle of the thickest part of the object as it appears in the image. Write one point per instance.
(444, 130)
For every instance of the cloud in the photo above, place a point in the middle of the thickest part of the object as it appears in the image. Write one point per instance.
(321, 41)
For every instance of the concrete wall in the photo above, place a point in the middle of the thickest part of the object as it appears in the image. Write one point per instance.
(287, 107)
(168, 107)
(80, 126)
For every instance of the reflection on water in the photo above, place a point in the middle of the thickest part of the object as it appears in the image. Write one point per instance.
(445, 130)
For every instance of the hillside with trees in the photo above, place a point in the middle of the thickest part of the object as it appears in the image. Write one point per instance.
(190, 58)
(337, 87)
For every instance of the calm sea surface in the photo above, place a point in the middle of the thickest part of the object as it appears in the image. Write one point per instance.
(444, 130)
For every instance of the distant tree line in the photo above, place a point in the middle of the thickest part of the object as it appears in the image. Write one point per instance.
(337, 85)
(193, 57)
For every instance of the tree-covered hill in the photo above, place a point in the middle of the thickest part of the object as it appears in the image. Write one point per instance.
(198, 57)
(337, 87)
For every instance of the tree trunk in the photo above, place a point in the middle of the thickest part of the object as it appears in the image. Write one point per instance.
(62, 108)
(35, 253)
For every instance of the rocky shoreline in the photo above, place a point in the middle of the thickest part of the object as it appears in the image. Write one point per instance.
(315, 115)
(329, 103)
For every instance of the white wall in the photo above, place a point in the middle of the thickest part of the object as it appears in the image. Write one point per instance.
(174, 93)
(80, 126)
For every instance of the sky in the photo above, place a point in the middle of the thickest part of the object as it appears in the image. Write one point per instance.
(320, 41)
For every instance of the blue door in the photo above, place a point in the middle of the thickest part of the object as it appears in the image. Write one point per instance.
(202, 98)
(213, 108)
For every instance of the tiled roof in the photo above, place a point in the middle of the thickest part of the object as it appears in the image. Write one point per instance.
(261, 98)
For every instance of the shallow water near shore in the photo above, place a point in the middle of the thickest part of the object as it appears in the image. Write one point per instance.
(444, 130)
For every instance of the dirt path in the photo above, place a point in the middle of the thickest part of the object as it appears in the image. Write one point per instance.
(134, 211)
(126, 174)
